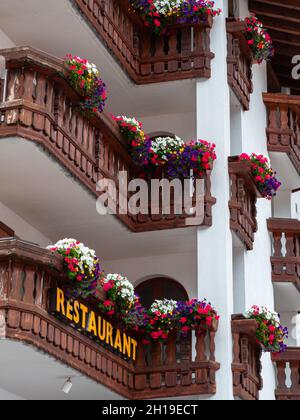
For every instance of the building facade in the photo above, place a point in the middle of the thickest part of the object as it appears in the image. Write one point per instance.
(198, 82)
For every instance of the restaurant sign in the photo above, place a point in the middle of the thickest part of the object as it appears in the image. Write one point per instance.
(85, 320)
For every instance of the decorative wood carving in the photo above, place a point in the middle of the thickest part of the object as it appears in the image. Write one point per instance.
(284, 125)
(288, 374)
(182, 53)
(285, 258)
(242, 204)
(40, 106)
(27, 272)
(246, 366)
(240, 61)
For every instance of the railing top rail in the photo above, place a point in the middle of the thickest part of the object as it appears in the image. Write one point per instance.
(281, 99)
(22, 250)
(284, 225)
(291, 354)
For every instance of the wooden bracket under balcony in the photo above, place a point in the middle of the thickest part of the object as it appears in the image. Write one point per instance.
(285, 259)
(5, 231)
(28, 272)
(288, 374)
(247, 352)
(41, 106)
(183, 52)
(242, 204)
(283, 130)
(239, 62)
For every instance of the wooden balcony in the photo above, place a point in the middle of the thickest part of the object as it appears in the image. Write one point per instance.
(239, 62)
(27, 273)
(288, 374)
(246, 366)
(40, 106)
(285, 259)
(242, 204)
(284, 125)
(182, 53)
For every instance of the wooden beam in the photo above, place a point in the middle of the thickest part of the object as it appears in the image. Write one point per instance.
(272, 11)
(292, 4)
(5, 231)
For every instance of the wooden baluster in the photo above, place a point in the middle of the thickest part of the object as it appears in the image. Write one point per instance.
(284, 118)
(236, 360)
(273, 137)
(29, 284)
(140, 379)
(146, 41)
(156, 363)
(172, 44)
(159, 66)
(278, 253)
(38, 117)
(186, 46)
(199, 42)
(290, 252)
(201, 373)
(5, 274)
(171, 377)
(245, 359)
(15, 292)
(185, 360)
(26, 116)
(281, 376)
(295, 378)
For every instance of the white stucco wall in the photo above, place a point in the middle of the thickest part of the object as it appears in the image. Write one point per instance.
(215, 276)
(5, 41)
(183, 125)
(180, 267)
(22, 229)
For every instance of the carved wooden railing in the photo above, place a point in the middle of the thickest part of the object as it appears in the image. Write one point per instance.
(284, 125)
(183, 52)
(285, 259)
(242, 202)
(239, 62)
(27, 272)
(40, 106)
(288, 374)
(246, 366)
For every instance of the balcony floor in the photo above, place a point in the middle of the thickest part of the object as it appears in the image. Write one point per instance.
(31, 375)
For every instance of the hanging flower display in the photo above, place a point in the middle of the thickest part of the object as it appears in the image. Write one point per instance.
(158, 13)
(196, 157)
(162, 149)
(119, 293)
(161, 318)
(259, 40)
(170, 154)
(195, 315)
(81, 264)
(121, 302)
(264, 176)
(138, 142)
(84, 78)
(270, 333)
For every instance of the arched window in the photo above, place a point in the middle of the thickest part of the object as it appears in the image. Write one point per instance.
(160, 288)
(156, 134)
